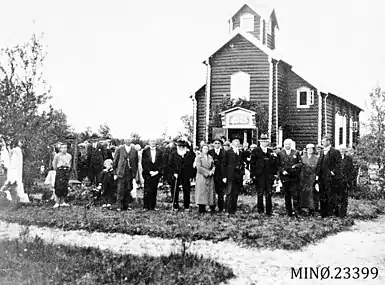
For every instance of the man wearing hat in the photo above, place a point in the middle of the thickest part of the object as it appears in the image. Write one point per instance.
(263, 166)
(234, 169)
(289, 167)
(330, 178)
(218, 154)
(181, 170)
(226, 146)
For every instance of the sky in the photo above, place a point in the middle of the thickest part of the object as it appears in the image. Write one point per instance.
(134, 64)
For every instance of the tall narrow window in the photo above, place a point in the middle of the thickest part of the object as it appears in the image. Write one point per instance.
(351, 132)
(305, 97)
(269, 27)
(247, 22)
(240, 85)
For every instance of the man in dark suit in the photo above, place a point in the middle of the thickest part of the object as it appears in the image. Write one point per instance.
(330, 178)
(289, 167)
(234, 169)
(152, 162)
(125, 167)
(181, 169)
(218, 154)
(348, 171)
(263, 166)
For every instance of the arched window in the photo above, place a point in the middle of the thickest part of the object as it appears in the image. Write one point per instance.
(240, 86)
(247, 22)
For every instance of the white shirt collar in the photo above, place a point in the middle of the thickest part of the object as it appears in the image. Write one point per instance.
(326, 149)
(128, 148)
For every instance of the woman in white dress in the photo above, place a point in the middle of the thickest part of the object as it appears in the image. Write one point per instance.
(15, 171)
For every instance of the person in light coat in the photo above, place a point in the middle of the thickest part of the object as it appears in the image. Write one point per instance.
(204, 185)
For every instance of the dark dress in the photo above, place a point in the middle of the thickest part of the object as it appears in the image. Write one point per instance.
(307, 181)
(108, 187)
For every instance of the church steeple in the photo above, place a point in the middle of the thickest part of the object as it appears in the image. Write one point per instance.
(258, 20)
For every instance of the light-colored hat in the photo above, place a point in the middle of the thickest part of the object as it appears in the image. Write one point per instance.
(253, 146)
(310, 145)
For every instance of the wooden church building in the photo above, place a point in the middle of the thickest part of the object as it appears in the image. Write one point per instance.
(248, 67)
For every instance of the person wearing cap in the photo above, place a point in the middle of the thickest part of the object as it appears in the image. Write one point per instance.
(307, 180)
(234, 169)
(329, 174)
(218, 154)
(263, 166)
(348, 171)
(125, 167)
(181, 170)
(226, 146)
(289, 167)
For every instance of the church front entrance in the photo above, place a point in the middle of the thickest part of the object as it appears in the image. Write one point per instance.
(241, 134)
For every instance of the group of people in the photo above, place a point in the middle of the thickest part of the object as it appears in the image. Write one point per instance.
(317, 178)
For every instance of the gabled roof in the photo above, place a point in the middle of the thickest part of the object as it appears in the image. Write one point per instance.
(253, 40)
(236, 109)
(264, 10)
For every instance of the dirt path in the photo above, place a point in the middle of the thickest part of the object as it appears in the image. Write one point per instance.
(364, 246)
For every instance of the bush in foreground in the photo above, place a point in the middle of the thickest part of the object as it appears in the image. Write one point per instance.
(33, 262)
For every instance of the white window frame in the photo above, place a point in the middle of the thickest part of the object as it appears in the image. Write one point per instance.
(245, 25)
(309, 97)
(355, 126)
(344, 132)
(350, 132)
(240, 85)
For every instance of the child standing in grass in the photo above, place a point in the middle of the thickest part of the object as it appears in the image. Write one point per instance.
(62, 165)
(108, 185)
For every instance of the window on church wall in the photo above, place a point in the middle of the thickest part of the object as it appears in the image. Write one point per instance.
(240, 86)
(305, 97)
(341, 136)
(247, 22)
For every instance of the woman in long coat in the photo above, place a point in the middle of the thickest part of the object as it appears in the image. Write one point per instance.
(307, 179)
(204, 185)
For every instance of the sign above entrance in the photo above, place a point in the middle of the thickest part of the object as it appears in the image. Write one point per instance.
(238, 118)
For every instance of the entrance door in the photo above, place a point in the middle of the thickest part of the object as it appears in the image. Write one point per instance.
(240, 134)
